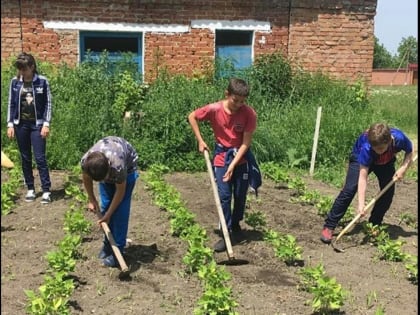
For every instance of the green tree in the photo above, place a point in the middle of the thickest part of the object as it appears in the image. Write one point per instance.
(382, 58)
(407, 51)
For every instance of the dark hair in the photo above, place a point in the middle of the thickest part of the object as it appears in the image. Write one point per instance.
(25, 60)
(238, 87)
(96, 165)
(379, 134)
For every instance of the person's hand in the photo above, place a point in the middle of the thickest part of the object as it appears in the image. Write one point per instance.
(45, 131)
(10, 132)
(93, 206)
(202, 146)
(399, 174)
(105, 218)
(361, 211)
(228, 174)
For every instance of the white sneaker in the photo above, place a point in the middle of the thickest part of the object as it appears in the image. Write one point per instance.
(46, 197)
(30, 195)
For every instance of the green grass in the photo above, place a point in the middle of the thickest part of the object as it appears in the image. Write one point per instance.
(398, 104)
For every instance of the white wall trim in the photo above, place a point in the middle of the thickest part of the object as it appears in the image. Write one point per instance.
(242, 25)
(117, 27)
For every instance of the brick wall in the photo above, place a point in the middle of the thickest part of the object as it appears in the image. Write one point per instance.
(394, 77)
(334, 37)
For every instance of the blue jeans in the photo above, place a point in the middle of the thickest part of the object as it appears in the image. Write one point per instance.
(28, 136)
(384, 173)
(238, 185)
(118, 224)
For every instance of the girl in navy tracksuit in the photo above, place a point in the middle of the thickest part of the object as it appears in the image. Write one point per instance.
(374, 151)
(28, 118)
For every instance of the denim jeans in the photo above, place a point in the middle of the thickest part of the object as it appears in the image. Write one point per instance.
(118, 224)
(238, 185)
(28, 136)
(384, 173)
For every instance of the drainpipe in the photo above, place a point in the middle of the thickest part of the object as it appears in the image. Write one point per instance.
(288, 27)
(20, 25)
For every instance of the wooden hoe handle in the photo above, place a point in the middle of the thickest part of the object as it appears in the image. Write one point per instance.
(219, 207)
(115, 249)
(370, 204)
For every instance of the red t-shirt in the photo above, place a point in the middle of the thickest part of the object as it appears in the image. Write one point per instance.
(228, 128)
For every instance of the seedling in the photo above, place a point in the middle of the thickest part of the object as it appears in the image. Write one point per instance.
(412, 268)
(285, 246)
(328, 295)
(391, 250)
(371, 299)
(408, 219)
(255, 219)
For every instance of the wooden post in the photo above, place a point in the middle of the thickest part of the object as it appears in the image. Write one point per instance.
(315, 145)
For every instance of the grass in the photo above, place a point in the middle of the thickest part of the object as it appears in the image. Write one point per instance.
(399, 105)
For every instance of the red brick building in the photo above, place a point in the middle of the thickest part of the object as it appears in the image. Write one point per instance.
(335, 37)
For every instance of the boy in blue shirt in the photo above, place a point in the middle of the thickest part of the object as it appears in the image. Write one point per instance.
(374, 151)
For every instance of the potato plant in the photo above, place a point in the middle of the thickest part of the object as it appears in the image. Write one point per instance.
(328, 295)
(217, 296)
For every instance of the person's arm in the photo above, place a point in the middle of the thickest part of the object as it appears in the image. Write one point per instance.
(246, 143)
(196, 129)
(400, 173)
(88, 184)
(45, 130)
(116, 200)
(361, 189)
(10, 127)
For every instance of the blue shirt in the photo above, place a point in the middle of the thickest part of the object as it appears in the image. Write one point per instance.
(366, 156)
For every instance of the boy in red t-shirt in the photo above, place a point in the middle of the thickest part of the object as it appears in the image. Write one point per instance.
(233, 123)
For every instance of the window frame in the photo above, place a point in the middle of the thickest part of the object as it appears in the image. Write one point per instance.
(114, 56)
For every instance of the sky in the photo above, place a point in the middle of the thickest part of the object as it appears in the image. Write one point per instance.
(395, 20)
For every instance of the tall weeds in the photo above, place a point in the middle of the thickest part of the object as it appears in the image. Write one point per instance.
(90, 101)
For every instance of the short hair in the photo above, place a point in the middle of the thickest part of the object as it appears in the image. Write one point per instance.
(96, 165)
(238, 87)
(379, 134)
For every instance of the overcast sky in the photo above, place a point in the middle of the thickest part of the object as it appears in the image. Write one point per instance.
(395, 20)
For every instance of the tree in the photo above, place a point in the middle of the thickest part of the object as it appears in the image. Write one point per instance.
(407, 51)
(382, 58)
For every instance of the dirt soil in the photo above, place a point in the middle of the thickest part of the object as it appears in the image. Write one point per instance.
(157, 283)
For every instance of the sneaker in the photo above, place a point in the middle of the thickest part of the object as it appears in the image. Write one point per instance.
(46, 198)
(236, 227)
(237, 234)
(105, 252)
(326, 235)
(30, 195)
(220, 246)
(110, 261)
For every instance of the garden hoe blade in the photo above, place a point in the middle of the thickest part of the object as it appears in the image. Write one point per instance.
(366, 209)
(5, 161)
(231, 258)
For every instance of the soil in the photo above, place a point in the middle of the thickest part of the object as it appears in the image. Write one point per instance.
(157, 283)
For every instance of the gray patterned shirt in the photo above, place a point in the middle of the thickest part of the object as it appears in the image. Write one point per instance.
(121, 155)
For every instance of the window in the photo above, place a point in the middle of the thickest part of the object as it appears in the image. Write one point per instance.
(235, 47)
(115, 43)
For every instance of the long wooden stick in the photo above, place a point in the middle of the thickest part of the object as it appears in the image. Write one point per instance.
(115, 249)
(219, 207)
(315, 144)
(370, 204)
